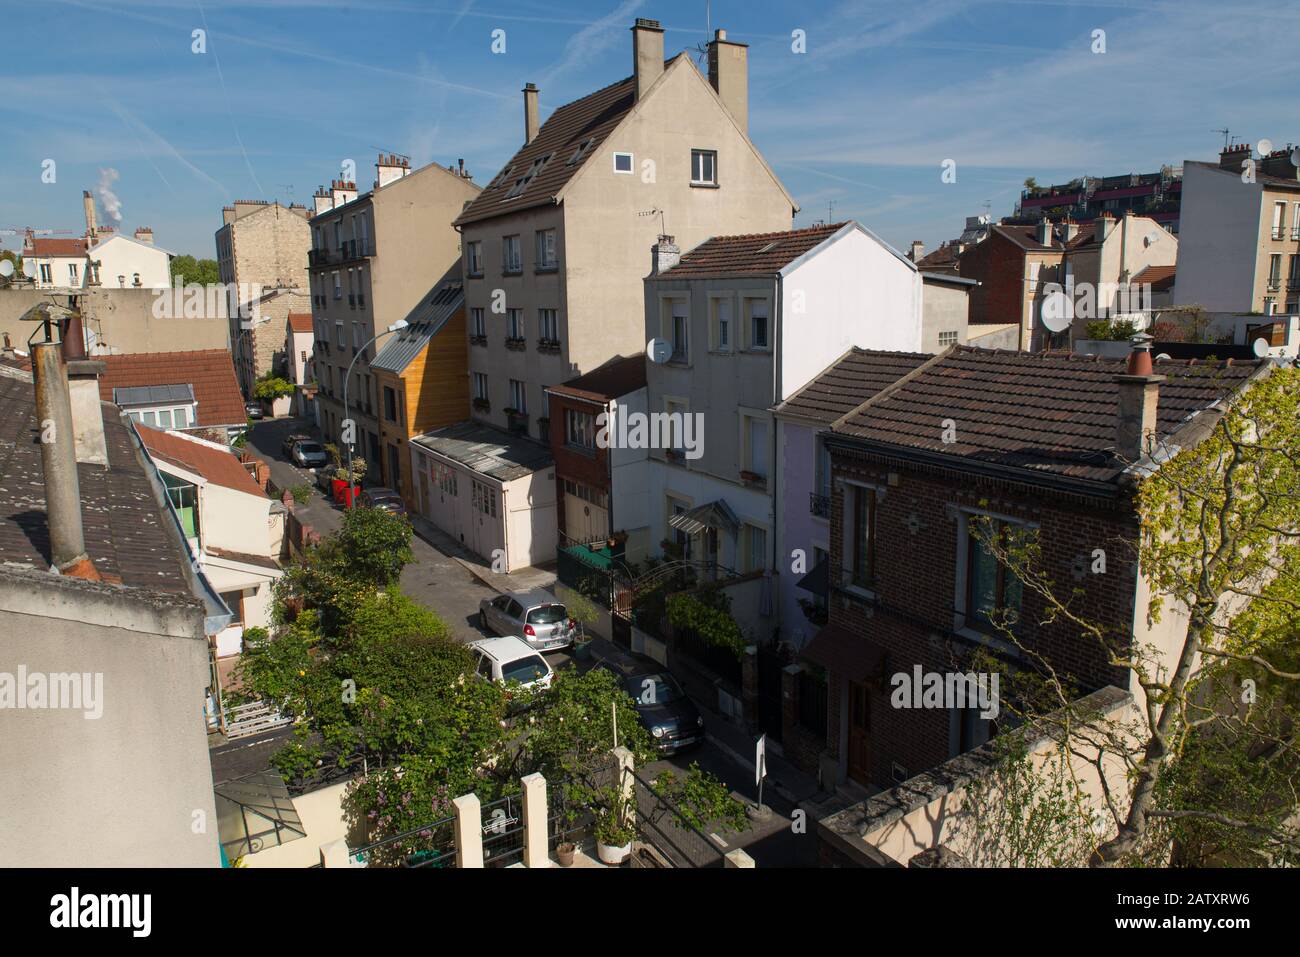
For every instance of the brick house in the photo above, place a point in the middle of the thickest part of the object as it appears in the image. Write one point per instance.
(1038, 443)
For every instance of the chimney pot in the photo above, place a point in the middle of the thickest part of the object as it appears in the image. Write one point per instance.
(1139, 397)
(664, 255)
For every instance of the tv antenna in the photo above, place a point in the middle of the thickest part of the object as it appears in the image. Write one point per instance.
(1225, 136)
(663, 231)
(400, 156)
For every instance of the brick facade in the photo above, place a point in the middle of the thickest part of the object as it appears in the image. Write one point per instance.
(918, 525)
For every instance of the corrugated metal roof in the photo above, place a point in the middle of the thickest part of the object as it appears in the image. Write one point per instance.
(491, 452)
(424, 321)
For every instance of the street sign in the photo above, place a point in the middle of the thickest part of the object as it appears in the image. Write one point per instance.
(760, 760)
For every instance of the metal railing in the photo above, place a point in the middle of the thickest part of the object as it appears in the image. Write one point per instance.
(503, 831)
(431, 845)
(659, 824)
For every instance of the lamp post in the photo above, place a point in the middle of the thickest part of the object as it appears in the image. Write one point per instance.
(399, 325)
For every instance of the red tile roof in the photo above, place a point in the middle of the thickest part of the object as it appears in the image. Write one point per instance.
(756, 254)
(591, 118)
(1161, 278)
(1041, 412)
(943, 258)
(55, 247)
(300, 322)
(210, 372)
(215, 465)
(618, 376)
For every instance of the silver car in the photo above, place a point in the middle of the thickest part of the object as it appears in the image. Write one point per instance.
(535, 617)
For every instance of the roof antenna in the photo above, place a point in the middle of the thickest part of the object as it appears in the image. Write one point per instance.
(652, 212)
(1225, 137)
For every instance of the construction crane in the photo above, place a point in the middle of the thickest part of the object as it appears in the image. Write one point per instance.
(22, 231)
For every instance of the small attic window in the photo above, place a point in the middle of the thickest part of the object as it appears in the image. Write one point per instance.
(521, 184)
(581, 151)
(505, 175)
(770, 246)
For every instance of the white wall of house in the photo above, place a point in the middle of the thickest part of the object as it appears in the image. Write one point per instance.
(57, 269)
(630, 484)
(752, 506)
(299, 348)
(856, 291)
(1218, 240)
(121, 260)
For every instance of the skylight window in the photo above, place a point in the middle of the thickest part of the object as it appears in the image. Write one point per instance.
(521, 184)
(581, 151)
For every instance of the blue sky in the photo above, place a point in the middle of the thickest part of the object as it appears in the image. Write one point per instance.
(886, 92)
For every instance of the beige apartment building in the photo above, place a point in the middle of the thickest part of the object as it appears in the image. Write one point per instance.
(262, 245)
(377, 257)
(557, 245)
(1240, 233)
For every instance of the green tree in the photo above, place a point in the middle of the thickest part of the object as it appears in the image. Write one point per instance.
(271, 387)
(190, 270)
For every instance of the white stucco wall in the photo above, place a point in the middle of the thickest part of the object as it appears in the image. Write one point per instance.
(124, 257)
(1217, 240)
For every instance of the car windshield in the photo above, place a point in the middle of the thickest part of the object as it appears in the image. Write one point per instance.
(524, 670)
(308, 448)
(653, 689)
(547, 615)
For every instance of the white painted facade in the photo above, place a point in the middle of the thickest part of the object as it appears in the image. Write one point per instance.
(1218, 240)
(122, 262)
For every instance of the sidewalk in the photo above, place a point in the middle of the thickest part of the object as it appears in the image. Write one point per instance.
(521, 580)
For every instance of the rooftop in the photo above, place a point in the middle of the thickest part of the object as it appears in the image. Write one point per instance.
(755, 254)
(423, 323)
(491, 452)
(855, 377)
(617, 377)
(50, 248)
(201, 458)
(210, 372)
(124, 523)
(1161, 278)
(1046, 413)
(301, 322)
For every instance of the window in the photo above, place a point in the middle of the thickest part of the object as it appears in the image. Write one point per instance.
(484, 498)
(860, 534)
(446, 479)
(677, 410)
(474, 258)
(477, 324)
(548, 325)
(721, 337)
(580, 152)
(623, 163)
(1293, 275)
(993, 592)
(338, 334)
(390, 404)
(948, 338)
(73, 278)
(755, 439)
(338, 288)
(1279, 219)
(1295, 221)
(514, 323)
(704, 167)
(579, 429)
(756, 551)
(518, 397)
(679, 331)
(757, 314)
(356, 337)
(46, 275)
(521, 184)
(823, 468)
(511, 258)
(545, 249)
(480, 385)
(1274, 270)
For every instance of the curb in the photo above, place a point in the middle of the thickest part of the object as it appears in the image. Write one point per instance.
(744, 762)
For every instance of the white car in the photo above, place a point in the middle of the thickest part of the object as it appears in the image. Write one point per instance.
(510, 659)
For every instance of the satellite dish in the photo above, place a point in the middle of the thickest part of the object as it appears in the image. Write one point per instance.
(1295, 156)
(1056, 311)
(1259, 347)
(29, 269)
(6, 268)
(1264, 147)
(658, 351)
(1164, 357)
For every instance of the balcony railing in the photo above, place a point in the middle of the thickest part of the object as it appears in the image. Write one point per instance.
(548, 345)
(516, 343)
(478, 340)
(1279, 232)
(819, 505)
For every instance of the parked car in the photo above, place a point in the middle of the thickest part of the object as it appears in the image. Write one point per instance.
(325, 478)
(508, 659)
(384, 498)
(309, 454)
(290, 440)
(663, 707)
(535, 616)
(253, 409)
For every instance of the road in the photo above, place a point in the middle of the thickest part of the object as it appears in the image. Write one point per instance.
(438, 581)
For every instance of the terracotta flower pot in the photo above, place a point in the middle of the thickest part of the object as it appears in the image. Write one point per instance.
(564, 852)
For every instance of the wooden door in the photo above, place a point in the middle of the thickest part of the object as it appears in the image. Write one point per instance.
(859, 757)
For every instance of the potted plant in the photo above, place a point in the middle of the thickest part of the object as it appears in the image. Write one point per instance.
(614, 829)
(564, 852)
(583, 612)
(345, 491)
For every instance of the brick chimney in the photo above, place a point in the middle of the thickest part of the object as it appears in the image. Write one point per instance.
(1139, 395)
(88, 204)
(390, 168)
(1069, 229)
(1043, 232)
(323, 201)
(342, 191)
(1281, 163)
(647, 53)
(664, 255)
(143, 234)
(917, 251)
(1231, 156)
(1105, 226)
(532, 122)
(729, 76)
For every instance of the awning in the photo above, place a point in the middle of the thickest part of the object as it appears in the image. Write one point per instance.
(818, 580)
(846, 655)
(714, 515)
(254, 812)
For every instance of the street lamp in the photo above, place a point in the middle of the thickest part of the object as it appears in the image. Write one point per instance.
(399, 325)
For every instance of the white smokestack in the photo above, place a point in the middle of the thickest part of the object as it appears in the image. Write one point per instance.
(108, 200)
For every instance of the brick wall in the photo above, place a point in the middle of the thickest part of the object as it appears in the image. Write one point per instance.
(999, 266)
(918, 520)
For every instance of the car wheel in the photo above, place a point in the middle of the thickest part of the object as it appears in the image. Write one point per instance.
(482, 620)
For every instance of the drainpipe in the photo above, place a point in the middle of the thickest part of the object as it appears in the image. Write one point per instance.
(59, 463)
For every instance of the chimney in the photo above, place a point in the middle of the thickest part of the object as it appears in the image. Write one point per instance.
(1281, 163)
(324, 201)
(1069, 229)
(59, 463)
(729, 76)
(389, 169)
(460, 169)
(647, 53)
(1232, 156)
(664, 255)
(1105, 226)
(1139, 395)
(88, 203)
(531, 123)
(917, 251)
(144, 234)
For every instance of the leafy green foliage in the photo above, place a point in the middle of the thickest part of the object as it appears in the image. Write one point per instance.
(712, 623)
(190, 270)
(1118, 330)
(700, 800)
(271, 387)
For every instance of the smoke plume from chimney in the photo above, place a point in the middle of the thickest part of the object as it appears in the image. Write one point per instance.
(108, 200)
